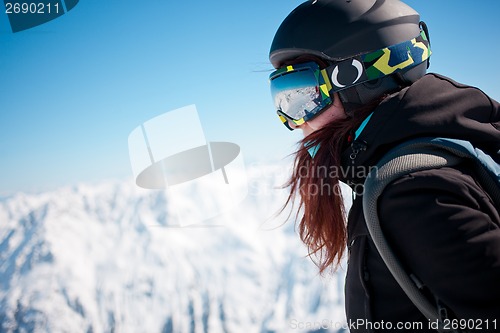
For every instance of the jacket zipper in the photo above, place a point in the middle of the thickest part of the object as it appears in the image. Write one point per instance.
(357, 147)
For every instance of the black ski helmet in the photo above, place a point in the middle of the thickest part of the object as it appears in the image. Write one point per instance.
(335, 30)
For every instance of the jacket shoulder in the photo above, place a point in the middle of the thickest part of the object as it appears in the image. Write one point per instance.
(434, 91)
(444, 228)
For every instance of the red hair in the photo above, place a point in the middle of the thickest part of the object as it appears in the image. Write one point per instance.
(322, 226)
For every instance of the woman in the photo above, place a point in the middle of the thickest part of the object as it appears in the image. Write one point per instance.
(352, 76)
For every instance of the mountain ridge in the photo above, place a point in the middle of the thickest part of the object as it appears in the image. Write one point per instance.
(103, 258)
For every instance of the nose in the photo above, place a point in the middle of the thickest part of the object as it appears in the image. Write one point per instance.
(293, 125)
(306, 129)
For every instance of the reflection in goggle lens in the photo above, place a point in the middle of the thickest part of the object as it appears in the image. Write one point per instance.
(296, 94)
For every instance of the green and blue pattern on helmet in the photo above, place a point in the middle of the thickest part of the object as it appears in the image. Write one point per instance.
(393, 58)
(379, 63)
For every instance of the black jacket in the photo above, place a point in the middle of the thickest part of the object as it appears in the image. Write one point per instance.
(440, 223)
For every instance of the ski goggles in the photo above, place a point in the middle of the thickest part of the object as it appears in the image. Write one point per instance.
(302, 91)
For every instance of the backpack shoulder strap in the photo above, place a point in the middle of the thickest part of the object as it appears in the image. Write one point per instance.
(412, 156)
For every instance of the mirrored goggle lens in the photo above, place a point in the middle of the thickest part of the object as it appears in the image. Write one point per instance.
(297, 94)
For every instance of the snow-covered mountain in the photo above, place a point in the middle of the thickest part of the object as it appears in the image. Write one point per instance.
(306, 98)
(104, 258)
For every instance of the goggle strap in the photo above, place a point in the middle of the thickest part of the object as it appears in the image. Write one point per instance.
(380, 63)
(397, 57)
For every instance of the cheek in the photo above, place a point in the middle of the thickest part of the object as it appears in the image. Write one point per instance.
(326, 117)
(322, 120)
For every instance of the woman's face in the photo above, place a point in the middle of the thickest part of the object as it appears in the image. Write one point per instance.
(332, 112)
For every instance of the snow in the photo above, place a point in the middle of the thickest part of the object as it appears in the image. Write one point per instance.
(303, 100)
(106, 258)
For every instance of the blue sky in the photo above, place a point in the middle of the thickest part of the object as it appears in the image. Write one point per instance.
(72, 90)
